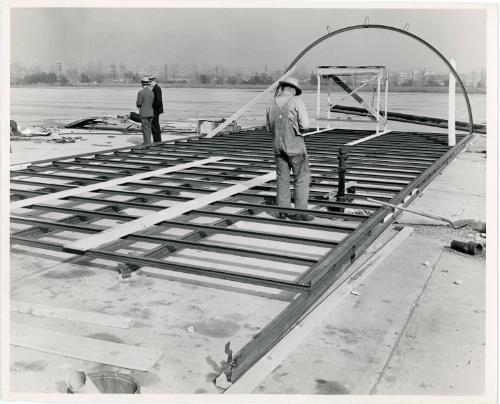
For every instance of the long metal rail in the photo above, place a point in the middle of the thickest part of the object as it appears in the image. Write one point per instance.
(303, 257)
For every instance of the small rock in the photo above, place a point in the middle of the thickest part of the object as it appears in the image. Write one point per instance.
(458, 282)
(426, 264)
(445, 270)
(190, 329)
(354, 292)
(470, 235)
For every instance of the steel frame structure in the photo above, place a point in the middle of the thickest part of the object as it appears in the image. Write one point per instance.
(393, 168)
(332, 73)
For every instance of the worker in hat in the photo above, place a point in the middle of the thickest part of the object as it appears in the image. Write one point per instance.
(145, 98)
(287, 119)
(157, 109)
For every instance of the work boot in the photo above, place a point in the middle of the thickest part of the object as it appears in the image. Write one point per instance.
(302, 218)
(280, 215)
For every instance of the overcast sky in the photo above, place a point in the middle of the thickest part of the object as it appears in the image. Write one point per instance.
(246, 38)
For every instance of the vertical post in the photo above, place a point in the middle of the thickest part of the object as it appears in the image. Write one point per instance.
(329, 101)
(378, 102)
(451, 107)
(318, 100)
(386, 97)
(342, 170)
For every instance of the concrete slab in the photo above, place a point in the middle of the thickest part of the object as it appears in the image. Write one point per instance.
(343, 354)
(31, 150)
(458, 193)
(451, 336)
(164, 311)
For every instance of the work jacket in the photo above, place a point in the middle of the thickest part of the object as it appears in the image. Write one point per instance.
(158, 101)
(287, 119)
(144, 102)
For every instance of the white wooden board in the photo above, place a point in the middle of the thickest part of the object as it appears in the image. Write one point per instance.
(144, 222)
(84, 348)
(106, 184)
(90, 317)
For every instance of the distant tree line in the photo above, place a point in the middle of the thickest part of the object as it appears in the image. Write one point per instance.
(100, 73)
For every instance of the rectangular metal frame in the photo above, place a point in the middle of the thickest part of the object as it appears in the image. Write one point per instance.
(391, 168)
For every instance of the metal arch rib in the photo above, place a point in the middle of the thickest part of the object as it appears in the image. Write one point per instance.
(401, 31)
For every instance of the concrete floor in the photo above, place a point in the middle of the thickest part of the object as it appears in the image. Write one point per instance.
(163, 310)
(414, 329)
(23, 151)
(411, 330)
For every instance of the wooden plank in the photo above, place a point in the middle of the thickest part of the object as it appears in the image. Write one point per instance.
(72, 315)
(364, 139)
(316, 131)
(357, 274)
(84, 348)
(144, 222)
(117, 181)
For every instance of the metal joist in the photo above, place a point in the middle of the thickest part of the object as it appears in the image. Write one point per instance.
(382, 167)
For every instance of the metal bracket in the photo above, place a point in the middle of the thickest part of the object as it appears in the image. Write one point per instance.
(231, 364)
(126, 269)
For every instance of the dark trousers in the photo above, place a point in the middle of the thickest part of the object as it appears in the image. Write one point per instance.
(155, 127)
(299, 164)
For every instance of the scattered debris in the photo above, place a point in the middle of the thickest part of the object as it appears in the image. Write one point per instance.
(445, 270)
(478, 226)
(222, 382)
(65, 139)
(129, 123)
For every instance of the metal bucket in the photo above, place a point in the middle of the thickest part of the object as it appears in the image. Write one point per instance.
(113, 383)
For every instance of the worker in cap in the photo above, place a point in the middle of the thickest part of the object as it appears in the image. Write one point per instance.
(157, 109)
(145, 98)
(287, 119)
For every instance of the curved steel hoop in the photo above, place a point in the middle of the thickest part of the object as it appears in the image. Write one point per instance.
(401, 31)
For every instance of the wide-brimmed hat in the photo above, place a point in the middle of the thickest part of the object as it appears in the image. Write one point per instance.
(291, 82)
(145, 80)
